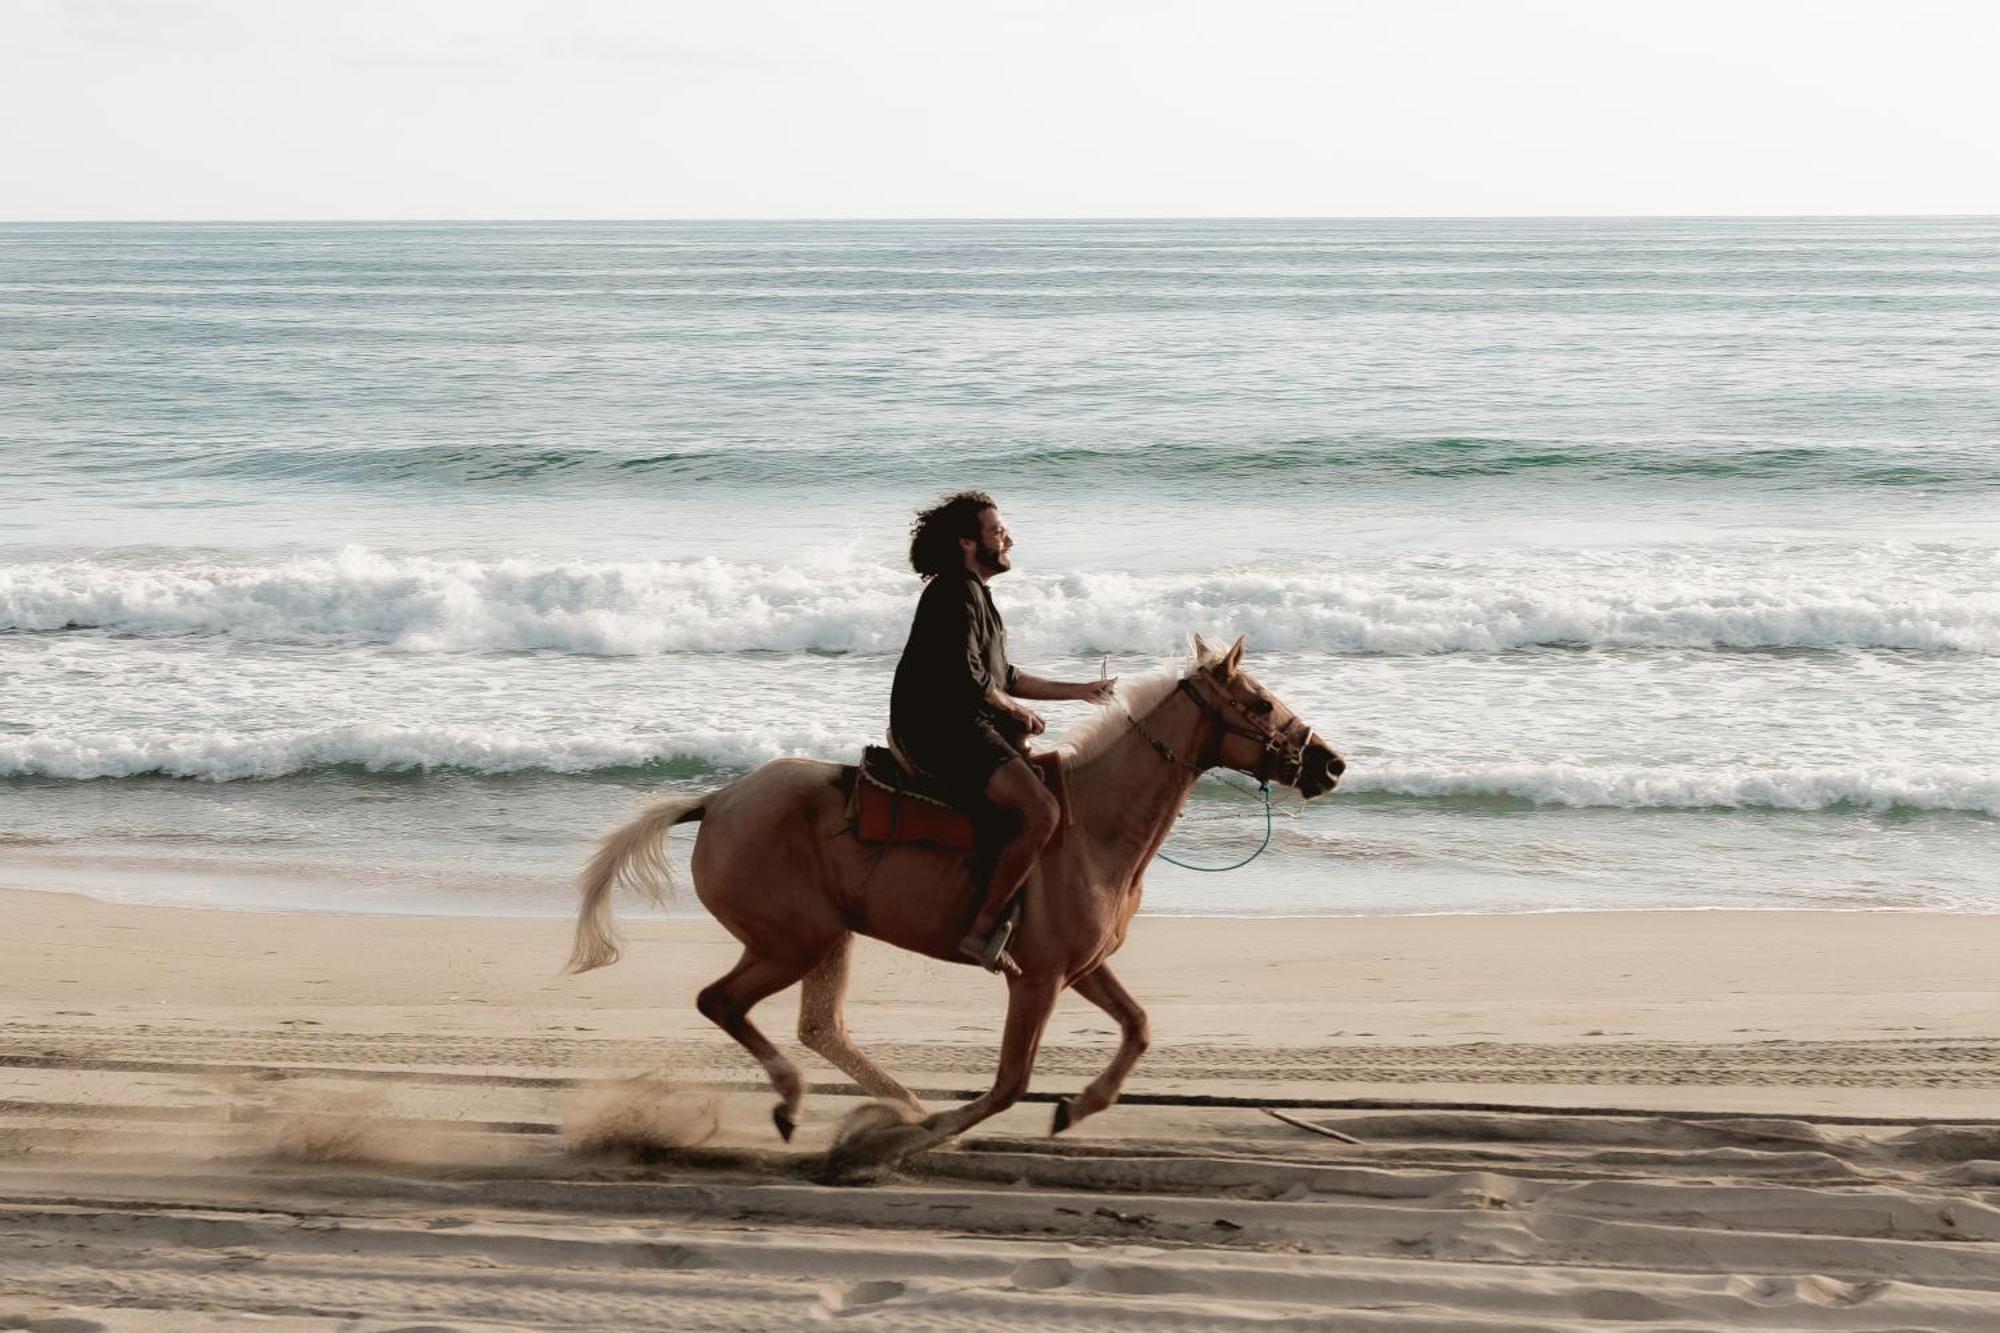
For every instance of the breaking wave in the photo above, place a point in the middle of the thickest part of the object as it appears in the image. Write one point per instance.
(1933, 601)
(1688, 787)
(716, 755)
(222, 756)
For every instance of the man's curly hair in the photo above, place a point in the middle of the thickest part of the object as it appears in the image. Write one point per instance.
(935, 532)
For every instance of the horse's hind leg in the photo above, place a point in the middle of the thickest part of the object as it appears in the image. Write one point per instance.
(727, 1004)
(1102, 989)
(823, 1027)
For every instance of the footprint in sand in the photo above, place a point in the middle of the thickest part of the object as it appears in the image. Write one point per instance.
(1043, 1274)
(1613, 1303)
(860, 1294)
(1139, 1280)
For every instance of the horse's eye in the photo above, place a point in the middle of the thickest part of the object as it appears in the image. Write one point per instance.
(1261, 707)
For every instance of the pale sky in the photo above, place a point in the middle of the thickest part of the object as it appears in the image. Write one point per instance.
(260, 109)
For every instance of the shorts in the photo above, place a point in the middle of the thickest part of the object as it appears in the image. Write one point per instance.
(962, 758)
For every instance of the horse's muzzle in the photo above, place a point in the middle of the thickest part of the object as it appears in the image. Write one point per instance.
(1319, 770)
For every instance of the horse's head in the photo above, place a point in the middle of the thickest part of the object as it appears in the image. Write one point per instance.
(1255, 733)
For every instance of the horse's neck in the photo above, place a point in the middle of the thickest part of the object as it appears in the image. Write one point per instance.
(1126, 797)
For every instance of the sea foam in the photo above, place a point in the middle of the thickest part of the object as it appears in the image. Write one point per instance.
(717, 755)
(229, 756)
(1915, 600)
(1692, 787)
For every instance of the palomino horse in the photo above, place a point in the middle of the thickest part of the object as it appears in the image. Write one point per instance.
(777, 864)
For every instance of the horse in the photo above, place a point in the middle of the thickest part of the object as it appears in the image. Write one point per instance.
(777, 863)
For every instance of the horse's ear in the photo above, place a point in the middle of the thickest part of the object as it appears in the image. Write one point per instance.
(1231, 659)
(1202, 652)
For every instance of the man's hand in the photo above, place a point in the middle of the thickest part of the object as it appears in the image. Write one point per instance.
(1030, 719)
(1097, 691)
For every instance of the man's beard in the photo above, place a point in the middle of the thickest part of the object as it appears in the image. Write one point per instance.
(992, 559)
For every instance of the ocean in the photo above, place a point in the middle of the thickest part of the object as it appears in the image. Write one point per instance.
(1630, 564)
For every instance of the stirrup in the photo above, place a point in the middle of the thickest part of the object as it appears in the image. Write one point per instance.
(995, 948)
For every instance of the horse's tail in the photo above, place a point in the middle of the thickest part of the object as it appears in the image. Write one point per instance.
(636, 857)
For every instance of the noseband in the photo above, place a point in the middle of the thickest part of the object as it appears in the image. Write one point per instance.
(1283, 756)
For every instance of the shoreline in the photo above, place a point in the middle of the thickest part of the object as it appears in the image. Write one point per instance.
(686, 908)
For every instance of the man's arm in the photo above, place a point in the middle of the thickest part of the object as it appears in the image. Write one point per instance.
(1021, 685)
(1025, 686)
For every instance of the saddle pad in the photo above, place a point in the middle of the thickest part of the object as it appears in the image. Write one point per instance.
(886, 816)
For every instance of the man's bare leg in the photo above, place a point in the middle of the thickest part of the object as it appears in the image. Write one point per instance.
(1018, 793)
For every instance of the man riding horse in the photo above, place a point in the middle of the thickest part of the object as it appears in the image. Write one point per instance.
(952, 710)
(780, 864)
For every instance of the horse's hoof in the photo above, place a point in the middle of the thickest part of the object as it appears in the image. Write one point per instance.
(1062, 1120)
(783, 1120)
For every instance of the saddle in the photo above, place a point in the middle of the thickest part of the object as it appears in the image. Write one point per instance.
(891, 800)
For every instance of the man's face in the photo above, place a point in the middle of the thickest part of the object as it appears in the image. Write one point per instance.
(990, 551)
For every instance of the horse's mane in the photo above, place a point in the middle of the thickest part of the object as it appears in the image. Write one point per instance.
(1094, 735)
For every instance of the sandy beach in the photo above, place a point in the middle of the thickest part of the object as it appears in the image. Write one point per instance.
(1511, 484)
(1714, 1119)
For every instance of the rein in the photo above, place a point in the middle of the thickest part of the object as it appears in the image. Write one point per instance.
(1270, 739)
(1265, 789)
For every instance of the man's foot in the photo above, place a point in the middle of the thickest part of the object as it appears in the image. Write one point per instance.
(991, 952)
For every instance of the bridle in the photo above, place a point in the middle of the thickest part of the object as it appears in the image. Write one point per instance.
(1282, 755)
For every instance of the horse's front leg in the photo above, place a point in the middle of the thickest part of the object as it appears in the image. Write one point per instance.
(1030, 1001)
(1102, 989)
